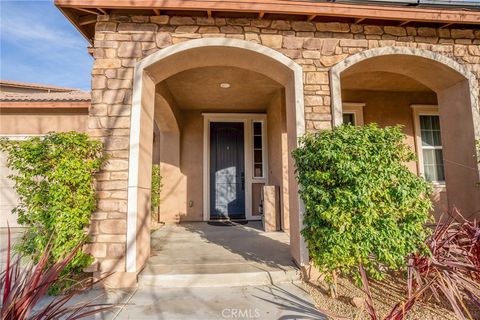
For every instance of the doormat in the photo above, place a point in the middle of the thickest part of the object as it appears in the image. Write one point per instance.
(227, 223)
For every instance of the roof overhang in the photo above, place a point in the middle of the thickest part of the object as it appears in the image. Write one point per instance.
(83, 13)
(45, 104)
(35, 86)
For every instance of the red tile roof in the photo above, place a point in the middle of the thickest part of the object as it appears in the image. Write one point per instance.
(46, 96)
(41, 93)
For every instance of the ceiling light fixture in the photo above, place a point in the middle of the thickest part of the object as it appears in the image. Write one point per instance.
(225, 85)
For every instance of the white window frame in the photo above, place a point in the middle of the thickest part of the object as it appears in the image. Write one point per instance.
(247, 119)
(355, 108)
(424, 110)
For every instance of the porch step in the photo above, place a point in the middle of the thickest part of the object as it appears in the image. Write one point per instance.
(215, 275)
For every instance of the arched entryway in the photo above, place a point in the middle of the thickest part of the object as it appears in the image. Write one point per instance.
(438, 93)
(153, 104)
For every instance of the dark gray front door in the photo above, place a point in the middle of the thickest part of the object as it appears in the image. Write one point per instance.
(227, 171)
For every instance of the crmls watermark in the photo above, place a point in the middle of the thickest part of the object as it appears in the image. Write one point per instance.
(233, 313)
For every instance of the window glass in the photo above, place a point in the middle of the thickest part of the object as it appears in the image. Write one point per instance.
(257, 128)
(257, 156)
(349, 118)
(432, 150)
(257, 149)
(430, 131)
(257, 142)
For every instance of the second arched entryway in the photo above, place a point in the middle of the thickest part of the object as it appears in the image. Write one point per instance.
(436, 101)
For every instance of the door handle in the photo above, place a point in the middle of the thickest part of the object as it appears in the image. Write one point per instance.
(242, 175)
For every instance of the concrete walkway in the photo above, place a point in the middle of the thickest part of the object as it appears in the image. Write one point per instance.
(274, 302)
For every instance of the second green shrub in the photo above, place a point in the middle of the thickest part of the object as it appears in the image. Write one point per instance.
(362, 203)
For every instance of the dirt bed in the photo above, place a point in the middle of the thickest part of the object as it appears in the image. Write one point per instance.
(385, 295)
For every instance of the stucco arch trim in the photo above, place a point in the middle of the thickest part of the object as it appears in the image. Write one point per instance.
(336, 71)
(142, 78)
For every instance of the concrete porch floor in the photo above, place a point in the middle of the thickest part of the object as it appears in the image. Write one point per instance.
(204, 255)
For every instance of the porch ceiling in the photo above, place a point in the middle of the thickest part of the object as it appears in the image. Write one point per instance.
(436, 75)
(382, 81)
(199, 89)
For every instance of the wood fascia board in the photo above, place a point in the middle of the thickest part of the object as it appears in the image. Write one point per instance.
(88, 19)
(289, 7)
(74, 20)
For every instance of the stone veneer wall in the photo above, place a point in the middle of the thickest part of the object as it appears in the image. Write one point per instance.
(121, 41)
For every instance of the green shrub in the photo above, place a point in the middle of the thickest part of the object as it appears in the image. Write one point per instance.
(156, 187)
(478, 156)
(54, 178)
(362, 204)
(478, 150)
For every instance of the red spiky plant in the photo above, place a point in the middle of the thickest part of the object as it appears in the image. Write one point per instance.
(399, 310)
(451, 270)
(453, 267)
(23, 286)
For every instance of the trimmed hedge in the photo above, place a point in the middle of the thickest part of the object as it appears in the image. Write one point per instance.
(362, 204)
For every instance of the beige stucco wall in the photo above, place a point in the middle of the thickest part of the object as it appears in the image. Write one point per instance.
(461, 160)
(390, 109)
(173, 192)
(278, 155)
(41, 121)
(192, 163)
(387, 108)
(156, 144)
